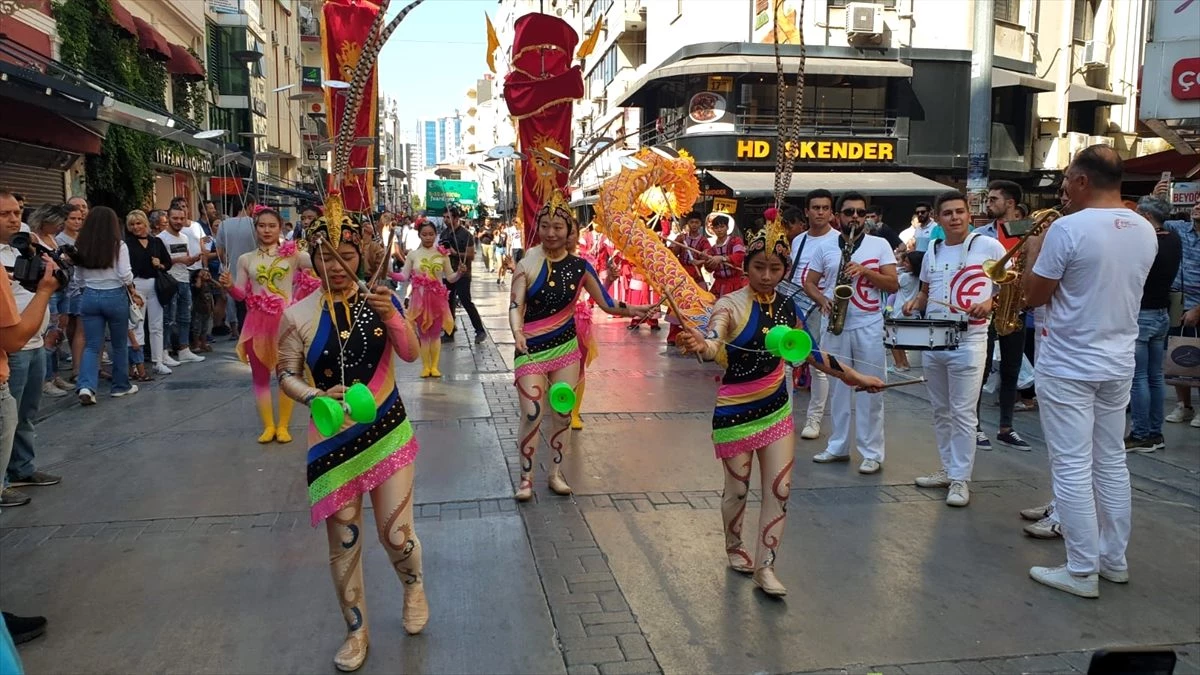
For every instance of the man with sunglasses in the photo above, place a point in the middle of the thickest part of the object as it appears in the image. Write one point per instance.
(461, 245)
(917, 236)
(871, 270)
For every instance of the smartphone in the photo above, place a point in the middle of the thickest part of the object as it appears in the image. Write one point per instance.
(1166, 178)
(1017, 228)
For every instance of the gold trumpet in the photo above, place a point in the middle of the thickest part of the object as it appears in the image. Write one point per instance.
(1011, 299)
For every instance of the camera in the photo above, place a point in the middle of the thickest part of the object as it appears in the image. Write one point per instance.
(29, 267)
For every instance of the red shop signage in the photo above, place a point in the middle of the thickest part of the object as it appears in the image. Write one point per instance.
(1185, 79)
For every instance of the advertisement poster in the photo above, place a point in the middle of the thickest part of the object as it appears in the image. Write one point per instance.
(766, 13)
(439, 193)
(709, 111)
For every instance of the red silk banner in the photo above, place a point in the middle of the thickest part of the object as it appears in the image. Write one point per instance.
(344, 28)
(539, 91)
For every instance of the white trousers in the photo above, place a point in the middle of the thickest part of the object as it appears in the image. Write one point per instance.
(818, 382)
(862, 349)
(1083, 423)
(154, 314)
(953, 378)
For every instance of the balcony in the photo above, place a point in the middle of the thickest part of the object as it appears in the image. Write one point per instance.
(826, 122)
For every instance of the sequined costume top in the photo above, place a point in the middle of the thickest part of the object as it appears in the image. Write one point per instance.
(332, 343)
(753, 406)
(549, 327)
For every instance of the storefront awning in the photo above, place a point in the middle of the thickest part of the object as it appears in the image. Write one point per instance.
(871, 184)
(721, 64)
(122, 18)
(1011, 78)
(147, 121)
(183, 65)
(1151, 167)
(1081, 93)
(151, 41)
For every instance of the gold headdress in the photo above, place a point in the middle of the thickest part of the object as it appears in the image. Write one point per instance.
(334, 227)
(557, 205)
(772, 238)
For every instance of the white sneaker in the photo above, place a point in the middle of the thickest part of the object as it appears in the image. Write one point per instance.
(87, 397)
(959, 495)
(1181, 413)
(168, 361)
(1115, 576)
(937, 479)
(48, 389)
(825, 457)
(186, 356)
(105, 359)
(1038, 512)
(1085, 586)
(133, 389)
(869, 466)
(1196, 421)
(160, 369)
(1046, 528)
(812, 429)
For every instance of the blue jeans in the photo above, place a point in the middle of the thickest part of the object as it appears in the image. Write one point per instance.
(99, 310)
(1146, 396)
(178, 317)
(27, 368)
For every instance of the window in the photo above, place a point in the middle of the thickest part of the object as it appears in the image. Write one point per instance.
(605, 70)
(889, 4)
(592, 16)
(1008, 11)
(1085, 19)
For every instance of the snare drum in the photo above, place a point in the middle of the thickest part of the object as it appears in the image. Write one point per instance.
(922, 335)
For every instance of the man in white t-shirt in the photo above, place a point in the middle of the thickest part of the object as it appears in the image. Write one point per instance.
(1090, 267)
(516, 247)
(870, 271)
(186, 256)
(952, 274)
(806, 246)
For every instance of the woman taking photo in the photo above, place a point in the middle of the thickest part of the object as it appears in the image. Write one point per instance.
(147, 257)
(102, 267)
(333, 339)
(546, 286)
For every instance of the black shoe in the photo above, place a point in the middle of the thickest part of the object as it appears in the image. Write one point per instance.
(447, 338)
(12, 497)
(24, 628)
(480, 337)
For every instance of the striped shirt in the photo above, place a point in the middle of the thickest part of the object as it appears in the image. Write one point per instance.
(1188, 277)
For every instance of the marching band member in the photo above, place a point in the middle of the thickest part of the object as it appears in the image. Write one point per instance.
(546, 286)
(1090, 267)
(952, 273)
(805, 247)
(753, 415)
(868, 264)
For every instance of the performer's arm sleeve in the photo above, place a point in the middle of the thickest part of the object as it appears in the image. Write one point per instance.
(289, 369)
(449, 278)
(401, 334)
(591, 281)
(737, 255)
(241, 282)
(516, 304)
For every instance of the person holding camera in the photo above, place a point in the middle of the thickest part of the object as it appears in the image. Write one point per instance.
(102, 265)
(27, 365)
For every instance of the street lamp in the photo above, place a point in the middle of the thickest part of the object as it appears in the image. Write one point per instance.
(253, 137)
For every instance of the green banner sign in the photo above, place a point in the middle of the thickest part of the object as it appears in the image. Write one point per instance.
(439, 193)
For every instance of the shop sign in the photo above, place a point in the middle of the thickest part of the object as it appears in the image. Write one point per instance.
(1185, 79)
(1185, 193)
(820, 151)
(717, 192)
(310, 76)
(226, 185)
(176, 159)
(708, 111)
(721, 205)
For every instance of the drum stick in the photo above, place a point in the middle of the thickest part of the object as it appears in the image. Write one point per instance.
(362, 285)
(637, 320)
(889, 385)
(387, 257)
(956, 308)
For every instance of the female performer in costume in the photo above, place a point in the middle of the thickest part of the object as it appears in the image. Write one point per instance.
(329, 341)
(268, 279)
(753, 414)
(726, 258)
(589, 348)
(429, 306)
(546, 286)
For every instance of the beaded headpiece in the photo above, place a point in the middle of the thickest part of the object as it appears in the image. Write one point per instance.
(772, 238)
(557, 205)
(334, 227)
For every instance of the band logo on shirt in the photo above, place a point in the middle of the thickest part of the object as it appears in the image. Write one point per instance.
(865, 296)
(969, 287)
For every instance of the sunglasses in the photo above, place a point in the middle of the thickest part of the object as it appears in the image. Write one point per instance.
(854, 212)
(922, 212)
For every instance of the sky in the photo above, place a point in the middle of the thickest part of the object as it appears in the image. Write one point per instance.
(434, 57)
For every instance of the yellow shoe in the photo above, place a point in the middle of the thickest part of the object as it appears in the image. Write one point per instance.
(282, 435)
(576, 422)
(424, 372)
(267, 436)
(435, 373)
(416, 609)
(353, 652)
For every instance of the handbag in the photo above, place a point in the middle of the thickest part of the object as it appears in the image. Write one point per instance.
(1181, 364)
(165, 287)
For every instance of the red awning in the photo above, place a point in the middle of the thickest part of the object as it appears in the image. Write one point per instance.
(1179, 165)
(122, 18)
(182, 64)
(152, 41)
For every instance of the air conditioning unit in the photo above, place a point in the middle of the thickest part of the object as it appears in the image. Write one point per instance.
(1101, 140)
(1069, 145)
(1095, 54)
(274, 38)
(864, 19)
(287, 52)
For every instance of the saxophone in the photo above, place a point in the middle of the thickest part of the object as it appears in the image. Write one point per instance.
(1006, 313)
(842, 291)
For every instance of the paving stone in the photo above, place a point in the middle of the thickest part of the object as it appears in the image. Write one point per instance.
(594, 587)
(598, 642)
(569, 626)
(644, 667)
(601, 656)
(582, 608)
(594, 563)
(613, 628)
(583, 669)
(1078, 661)
(613, 602)
(608, 617)
(635, 647)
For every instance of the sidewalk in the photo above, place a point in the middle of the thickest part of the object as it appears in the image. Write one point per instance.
(177, 543)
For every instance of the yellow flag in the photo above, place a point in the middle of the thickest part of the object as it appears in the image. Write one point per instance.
(590, 43)
(493, 43)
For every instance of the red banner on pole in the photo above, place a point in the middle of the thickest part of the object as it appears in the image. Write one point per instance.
(343, 30)
(539, 91)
